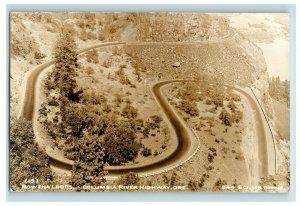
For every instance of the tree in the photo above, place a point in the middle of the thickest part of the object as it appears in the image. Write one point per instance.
(225, 117)
(88, 168)
(65, 57)
(27, 160)
(119, 144)
(188, 107)
(218, 101)
(146, 152)
(279, 90)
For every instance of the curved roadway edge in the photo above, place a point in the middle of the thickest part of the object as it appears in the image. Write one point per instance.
(231, 34)
(183, 151)
(270, 138)
(267, 154)
(27, 109)
(186, 137)
(187, 144)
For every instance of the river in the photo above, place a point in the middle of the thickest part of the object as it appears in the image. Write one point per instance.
(277, 55)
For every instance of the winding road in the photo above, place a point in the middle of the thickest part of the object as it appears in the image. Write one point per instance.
(187, 140)
(27, 109)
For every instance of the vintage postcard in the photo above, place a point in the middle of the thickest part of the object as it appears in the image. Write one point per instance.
(149, 102)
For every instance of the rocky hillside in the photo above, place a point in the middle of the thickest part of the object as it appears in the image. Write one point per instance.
(234, 59)
(31, 43)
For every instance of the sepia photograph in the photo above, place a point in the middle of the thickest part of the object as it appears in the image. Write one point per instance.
(149, 102)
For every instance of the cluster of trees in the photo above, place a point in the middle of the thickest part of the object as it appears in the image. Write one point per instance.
(80, 113)
(120, 143)
(188, 107)
(65, 69)
(89, 165)
(190, 93)
(214, 93)
(88, 130)
(62, 80)
(27, 160)
(279, 90)
(229, 118)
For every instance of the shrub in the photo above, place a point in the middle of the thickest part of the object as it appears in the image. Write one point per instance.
(175, 178)
(193, 185)
(106, 63)
(188, 107)
(231, 105)
(237, 116)
(208, 102)
(218, 184)
(53, 103)
(156, 118)
(129, 112)
(124, 80)
(39, 55)
(218, 101)
(92, 56)
(210, 157)
(225, 117)
(80, 24)
(129, 179)
(120, 72)
(212, 149)
(92, 98)
(118, 100)
(101, 37)
(146, 152)
(210, 168)
(235, 97)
